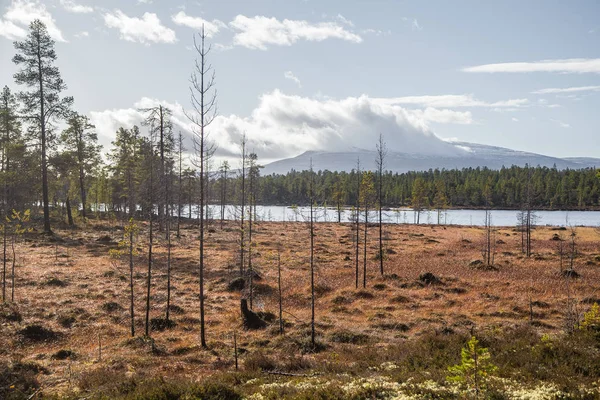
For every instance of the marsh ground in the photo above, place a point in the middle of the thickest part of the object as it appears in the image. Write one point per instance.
(71, 286)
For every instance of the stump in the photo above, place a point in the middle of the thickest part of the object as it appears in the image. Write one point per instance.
(250, 319)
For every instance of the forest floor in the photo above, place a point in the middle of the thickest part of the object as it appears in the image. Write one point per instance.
(70, 322)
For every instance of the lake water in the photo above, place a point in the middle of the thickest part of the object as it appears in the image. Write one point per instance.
(407, 216)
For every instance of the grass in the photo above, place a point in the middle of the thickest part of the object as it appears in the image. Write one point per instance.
(404, 318)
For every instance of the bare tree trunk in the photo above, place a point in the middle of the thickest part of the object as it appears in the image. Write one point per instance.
(131, 293)
(168, 233)
(12, 275)
(279, 292)
(150, 239)
(365, 244)
(204, 113)
(381, 153)
(357, 236)
(250, 271)
(179, 192)
(312, 262)
(243, 205)
(69, 214)
(45, 196)
(4, 263)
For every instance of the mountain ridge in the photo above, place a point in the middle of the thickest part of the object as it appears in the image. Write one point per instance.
(474, 155)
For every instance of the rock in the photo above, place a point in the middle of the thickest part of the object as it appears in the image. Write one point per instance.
(236, 285)
(475, 263)
(429, 279)
(570, 273)
(104, 239)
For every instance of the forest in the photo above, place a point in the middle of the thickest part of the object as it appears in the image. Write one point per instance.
(114, 287)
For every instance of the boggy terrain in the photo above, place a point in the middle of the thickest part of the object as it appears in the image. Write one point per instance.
(68, 332)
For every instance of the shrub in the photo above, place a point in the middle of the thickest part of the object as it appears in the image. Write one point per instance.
(475, 367)
(37, 333)
(111, 306)
(18, 380)
(591, 319)
(349, 337)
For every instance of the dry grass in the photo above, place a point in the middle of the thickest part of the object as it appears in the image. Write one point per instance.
(74, 289)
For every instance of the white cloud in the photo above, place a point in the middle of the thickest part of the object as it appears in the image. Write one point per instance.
(284, 126)
(107, 122)
(568, 90)
(344, 20)
(445, 116)
(376, 32)
(567, 66)
(82, 34)
(415, 25)
(454, 101)
(20, 13)
(290, 75)
(211, 28)
(258, 32)
(11, 31)
(73, 7)
(561, 123)
(515, 119)
(146, 30)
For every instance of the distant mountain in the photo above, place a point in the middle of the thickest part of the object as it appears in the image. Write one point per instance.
(469, 155)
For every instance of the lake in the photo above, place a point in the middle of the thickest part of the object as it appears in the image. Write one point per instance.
(407, 216)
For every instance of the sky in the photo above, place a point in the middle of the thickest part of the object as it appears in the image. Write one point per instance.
(300, 75)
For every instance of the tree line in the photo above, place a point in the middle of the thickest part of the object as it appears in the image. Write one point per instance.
(508, 188)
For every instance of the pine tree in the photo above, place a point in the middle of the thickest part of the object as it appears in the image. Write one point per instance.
(10, 137)
(43, 104)
(81, 141)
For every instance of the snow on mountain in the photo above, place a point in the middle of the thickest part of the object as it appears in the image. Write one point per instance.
(468, 155)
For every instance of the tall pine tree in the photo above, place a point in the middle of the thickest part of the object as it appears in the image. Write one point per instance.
(42, 104)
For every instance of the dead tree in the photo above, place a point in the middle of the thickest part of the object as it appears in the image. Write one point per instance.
(367, 198)
(180, 150)
(280, 297)
(224, 169)
(159, 118)
(150, 234)
(312, 255)
(357, 222)
(380, 161)
(242, 204)
(488, 248)
(204, 110)
(488, 251)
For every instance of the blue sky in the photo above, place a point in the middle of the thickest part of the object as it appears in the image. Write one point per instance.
(303, 74)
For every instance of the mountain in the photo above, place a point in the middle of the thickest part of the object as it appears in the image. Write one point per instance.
(469, 155)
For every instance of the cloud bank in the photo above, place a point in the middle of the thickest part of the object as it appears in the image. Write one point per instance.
(259, 32)
(73, 7)
(574, 89)
(14, 24)
(283, 126)
(145, 30)
(567, 66)
(211, 28)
